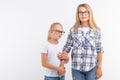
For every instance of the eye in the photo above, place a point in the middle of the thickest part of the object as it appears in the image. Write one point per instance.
(83, 12)
(59, 31)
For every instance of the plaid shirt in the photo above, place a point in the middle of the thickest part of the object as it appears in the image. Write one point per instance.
(85, 47)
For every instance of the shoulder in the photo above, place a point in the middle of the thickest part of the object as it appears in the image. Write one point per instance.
(44, 43)
(98, 31)
(43, 47)
(73, 31)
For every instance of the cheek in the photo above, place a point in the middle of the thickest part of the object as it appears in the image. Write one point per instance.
(56, 35)
(59, 36)
(87, 18)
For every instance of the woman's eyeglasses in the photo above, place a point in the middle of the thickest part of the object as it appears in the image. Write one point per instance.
(83, 12)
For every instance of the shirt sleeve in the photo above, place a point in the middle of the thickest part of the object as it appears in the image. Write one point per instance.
(99, 47)
(43, 49)
(69, 43)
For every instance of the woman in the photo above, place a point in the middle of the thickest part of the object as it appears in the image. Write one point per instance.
(85, 40)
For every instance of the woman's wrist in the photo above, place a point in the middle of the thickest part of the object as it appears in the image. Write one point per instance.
(99, 67)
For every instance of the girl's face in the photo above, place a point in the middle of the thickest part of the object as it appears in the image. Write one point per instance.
(57, 32)
(83, 14)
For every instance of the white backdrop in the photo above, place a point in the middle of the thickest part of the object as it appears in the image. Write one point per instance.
(24, 25)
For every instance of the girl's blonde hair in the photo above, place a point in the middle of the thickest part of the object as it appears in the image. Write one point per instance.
(51, 28)
(91, 18)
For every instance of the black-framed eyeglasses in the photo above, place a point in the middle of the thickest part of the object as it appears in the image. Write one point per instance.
(83, 12)
(60, 32)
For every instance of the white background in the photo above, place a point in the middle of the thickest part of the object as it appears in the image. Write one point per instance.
(24, 25)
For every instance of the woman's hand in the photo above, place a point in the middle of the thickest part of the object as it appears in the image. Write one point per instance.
(98, 73)
(63, 55)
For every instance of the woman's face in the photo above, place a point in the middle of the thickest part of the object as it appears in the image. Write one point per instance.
(57, 32)
(83, 14)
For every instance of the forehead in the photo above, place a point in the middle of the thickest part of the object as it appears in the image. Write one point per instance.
(82, 8)
(58, 27)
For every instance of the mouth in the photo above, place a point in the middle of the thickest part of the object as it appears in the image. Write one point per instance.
(83, 17)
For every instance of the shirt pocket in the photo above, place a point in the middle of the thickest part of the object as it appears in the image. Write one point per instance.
(77, 40)
(91, 40)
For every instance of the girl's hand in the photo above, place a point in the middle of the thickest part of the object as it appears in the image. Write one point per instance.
(61, 71)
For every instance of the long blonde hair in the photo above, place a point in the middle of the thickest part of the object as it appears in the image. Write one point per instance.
(91, 18)
(51, 28)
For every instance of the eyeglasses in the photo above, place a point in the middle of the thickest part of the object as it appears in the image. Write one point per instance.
(83, 12)
(59, 32)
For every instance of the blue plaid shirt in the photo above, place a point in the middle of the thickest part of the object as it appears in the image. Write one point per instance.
(85, 47)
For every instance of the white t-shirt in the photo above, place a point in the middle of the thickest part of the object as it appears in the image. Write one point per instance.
(52, 51)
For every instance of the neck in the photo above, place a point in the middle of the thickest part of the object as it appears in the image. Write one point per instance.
(53, 41)
(84, 24)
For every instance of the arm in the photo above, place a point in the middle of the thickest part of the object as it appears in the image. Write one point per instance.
(61, 65)
(64, 59)
(48, 65)
(69, 43)
(66, 49)
(99, 50)
(99, 57)
(62, 62)
(99, 67)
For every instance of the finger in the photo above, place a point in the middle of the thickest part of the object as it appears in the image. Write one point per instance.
(59, 74)
(99, 76)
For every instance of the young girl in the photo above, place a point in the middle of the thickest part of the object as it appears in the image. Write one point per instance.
(50, 51)
(85, 40)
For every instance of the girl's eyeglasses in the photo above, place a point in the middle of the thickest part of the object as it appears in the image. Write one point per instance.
(60, 32)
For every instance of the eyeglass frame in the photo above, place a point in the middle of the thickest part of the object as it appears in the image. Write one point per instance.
(60, 32)
(83, 12)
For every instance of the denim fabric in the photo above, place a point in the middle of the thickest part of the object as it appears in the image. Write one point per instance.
(54, 78)
(88, 75)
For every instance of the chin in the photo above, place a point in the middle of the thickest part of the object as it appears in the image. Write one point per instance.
(84, 19)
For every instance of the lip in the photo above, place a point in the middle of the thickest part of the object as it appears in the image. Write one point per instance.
(83, 17)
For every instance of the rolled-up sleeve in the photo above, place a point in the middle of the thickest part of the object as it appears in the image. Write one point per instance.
(99, 47)
(69, 43)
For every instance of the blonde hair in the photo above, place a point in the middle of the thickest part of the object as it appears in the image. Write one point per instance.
(91, 18)
(51, 28)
